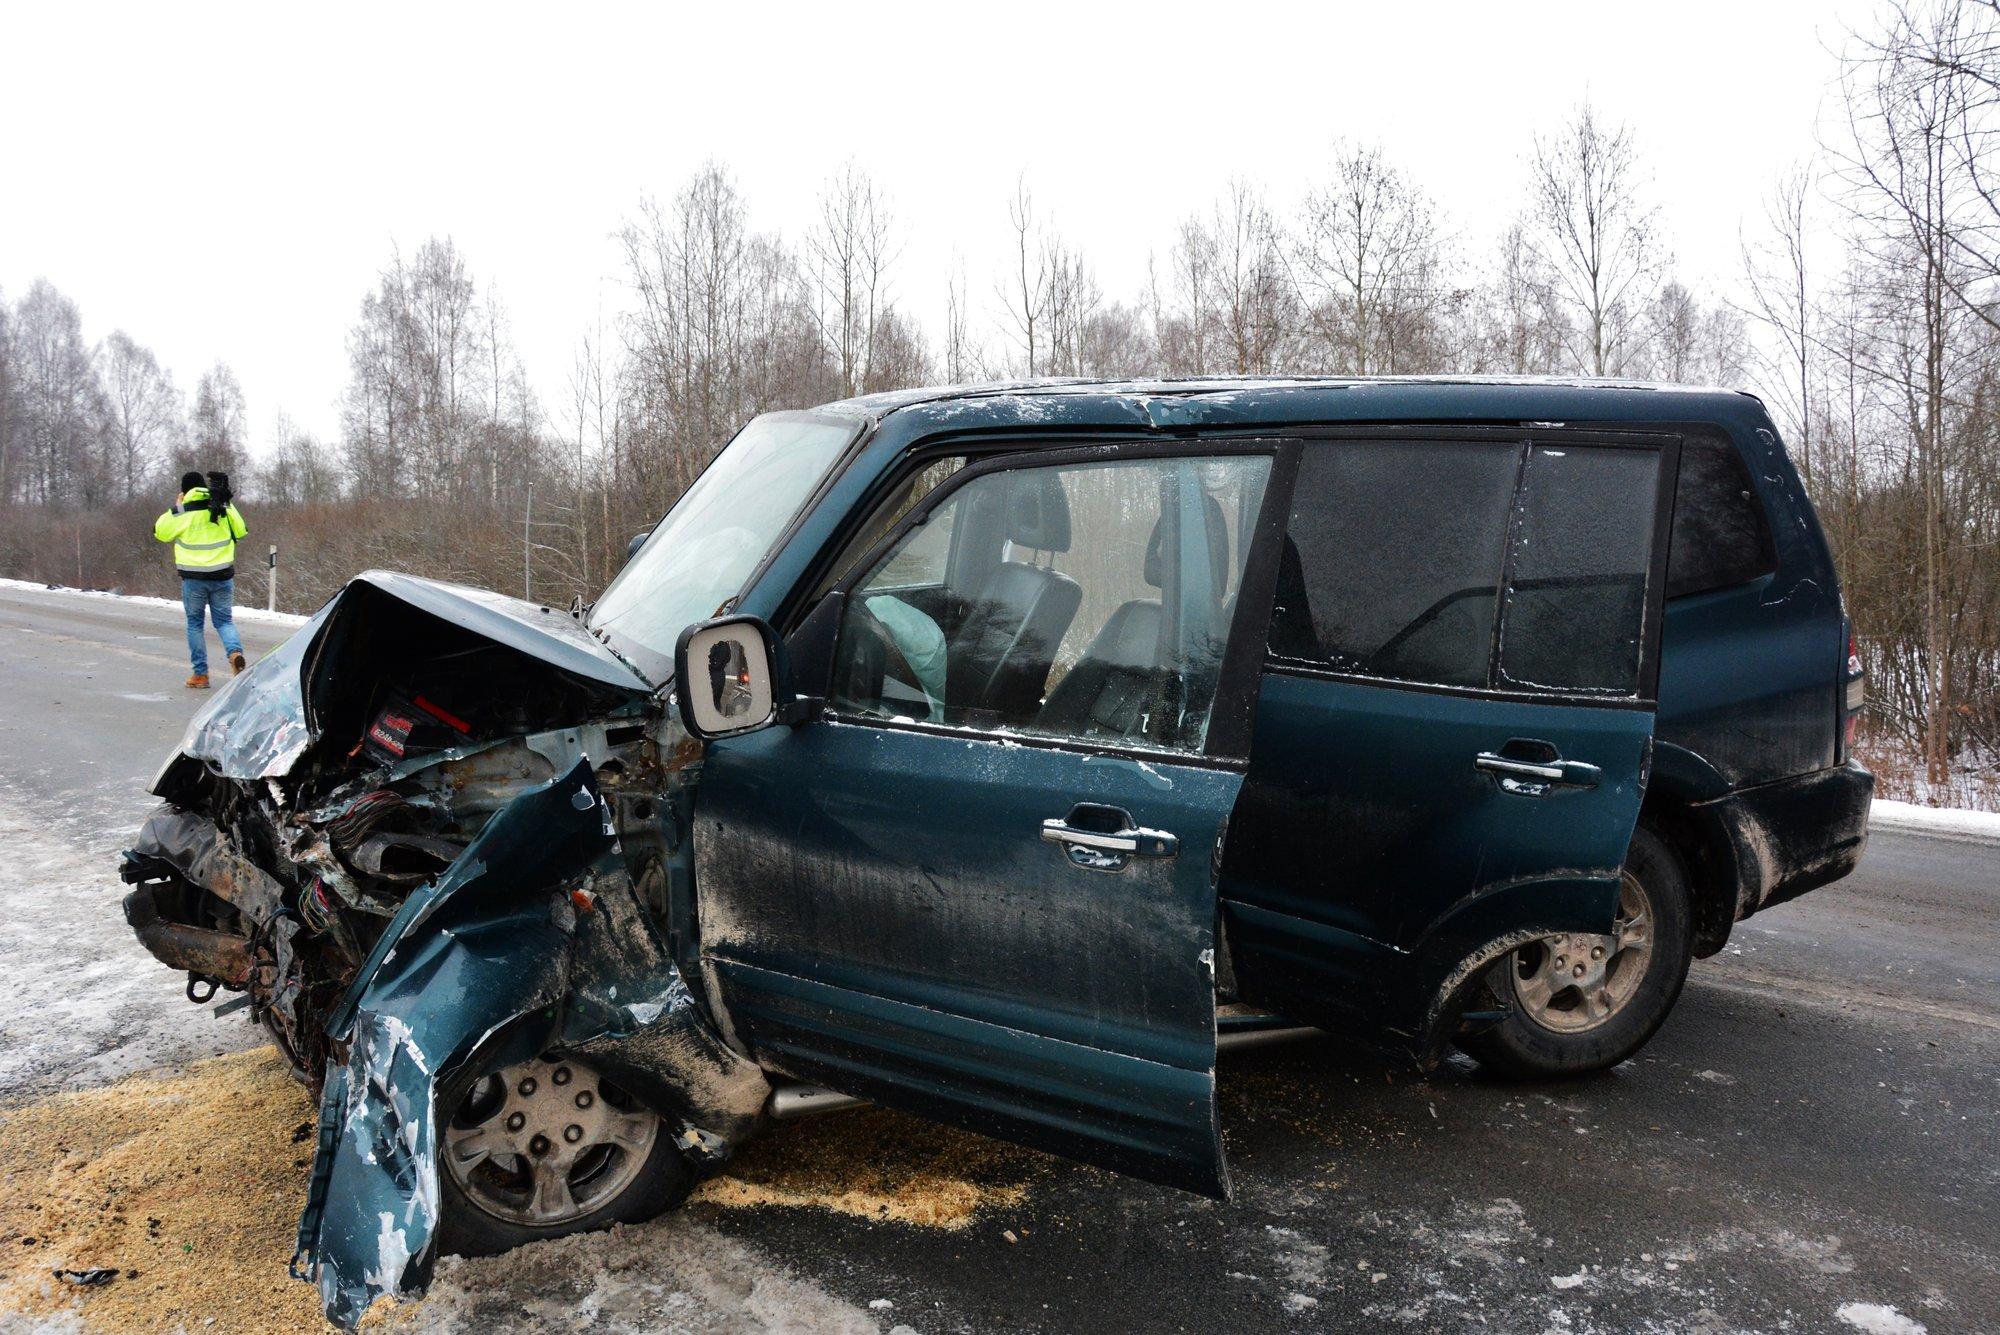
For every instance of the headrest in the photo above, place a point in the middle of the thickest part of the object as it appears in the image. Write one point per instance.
(1218, 548)
(1038, 511)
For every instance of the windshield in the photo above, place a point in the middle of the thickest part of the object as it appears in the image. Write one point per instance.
(720, 530)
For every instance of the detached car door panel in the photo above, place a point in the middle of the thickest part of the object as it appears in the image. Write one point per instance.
(1455, 721)
(982, 888)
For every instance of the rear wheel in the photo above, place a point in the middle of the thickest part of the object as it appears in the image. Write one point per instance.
(546, 1148)
(1583, 1002)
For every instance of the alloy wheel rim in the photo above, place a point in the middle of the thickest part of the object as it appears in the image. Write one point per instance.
(1575, 982)
(546, 1142)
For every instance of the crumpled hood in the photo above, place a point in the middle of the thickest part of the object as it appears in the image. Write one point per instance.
(260, 724)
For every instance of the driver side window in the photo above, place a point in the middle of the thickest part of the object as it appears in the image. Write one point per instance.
(1089, 601)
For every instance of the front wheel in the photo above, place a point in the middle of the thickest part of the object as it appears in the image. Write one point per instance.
(1583, 1002)
(546, 1148)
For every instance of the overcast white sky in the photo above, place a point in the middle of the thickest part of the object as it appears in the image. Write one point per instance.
(228, 185)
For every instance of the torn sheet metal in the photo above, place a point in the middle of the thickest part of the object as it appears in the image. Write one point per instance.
(533, 940)
(630, 1014)
(193, 845)
(485, 945)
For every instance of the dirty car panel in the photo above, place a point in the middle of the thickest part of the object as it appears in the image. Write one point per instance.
(1359, 942)
(1471, 757)
(961, 966)
(1001, 912)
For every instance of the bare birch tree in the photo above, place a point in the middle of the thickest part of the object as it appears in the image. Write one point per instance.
(848, 254)
(1024, 290)
(1596, 233)
(218, 438)
(1780, 281)
(960, 355)
(1909, 189)
(143, 422)
(1367, 257)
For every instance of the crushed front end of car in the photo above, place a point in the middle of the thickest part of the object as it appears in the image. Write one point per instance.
(438, 831)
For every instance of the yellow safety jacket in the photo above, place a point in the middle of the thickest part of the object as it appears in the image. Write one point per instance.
(204, 547)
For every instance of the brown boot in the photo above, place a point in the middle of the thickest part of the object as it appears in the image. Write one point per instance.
(198, 682)
(237, 662)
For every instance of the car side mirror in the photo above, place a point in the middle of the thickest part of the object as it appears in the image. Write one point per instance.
(730, 678)
(638, 541)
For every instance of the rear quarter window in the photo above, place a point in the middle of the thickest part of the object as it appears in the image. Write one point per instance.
(1720, 535)
(1392, 564)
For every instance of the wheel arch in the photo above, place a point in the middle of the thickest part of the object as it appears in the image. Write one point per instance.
(1691, 830)
(1452, 956)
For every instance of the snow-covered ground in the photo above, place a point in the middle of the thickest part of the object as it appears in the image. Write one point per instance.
(243, 612)
(114, 1010)
(1982, 827)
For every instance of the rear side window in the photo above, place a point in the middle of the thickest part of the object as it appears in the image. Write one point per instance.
(1576, 574)
(1392, 568)
(1720, 536)
(1485, 564)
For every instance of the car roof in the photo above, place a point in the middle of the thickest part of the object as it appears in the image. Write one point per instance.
(1250, 401)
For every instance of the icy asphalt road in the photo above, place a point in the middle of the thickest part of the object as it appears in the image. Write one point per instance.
(1818, 1125)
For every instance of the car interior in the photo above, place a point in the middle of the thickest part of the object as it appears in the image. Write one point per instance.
(1051, 624)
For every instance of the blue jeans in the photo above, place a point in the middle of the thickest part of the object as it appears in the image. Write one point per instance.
(218, 596)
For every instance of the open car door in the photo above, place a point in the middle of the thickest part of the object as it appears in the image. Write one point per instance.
(980, 887)
(1456, 719)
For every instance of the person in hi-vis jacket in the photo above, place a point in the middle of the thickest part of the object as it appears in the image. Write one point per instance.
(204, 527)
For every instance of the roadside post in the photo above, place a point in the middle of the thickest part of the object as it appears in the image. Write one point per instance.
(271, 584)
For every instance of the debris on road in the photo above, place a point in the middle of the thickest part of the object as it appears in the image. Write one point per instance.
(190, 1179)
(86, 1176)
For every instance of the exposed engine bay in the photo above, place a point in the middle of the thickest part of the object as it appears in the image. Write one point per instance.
(436, 825)
(277, 887)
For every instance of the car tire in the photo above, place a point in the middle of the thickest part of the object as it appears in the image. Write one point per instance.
(478, 1216)
(1538, 1040)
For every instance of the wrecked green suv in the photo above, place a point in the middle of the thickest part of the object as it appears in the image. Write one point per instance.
(996, 754)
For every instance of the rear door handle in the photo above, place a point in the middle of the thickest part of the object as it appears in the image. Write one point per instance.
(1534, 777)
(1101, 838)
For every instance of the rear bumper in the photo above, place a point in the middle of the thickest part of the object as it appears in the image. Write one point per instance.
(1795, 835)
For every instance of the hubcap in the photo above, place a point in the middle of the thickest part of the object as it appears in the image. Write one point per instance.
(547, 1142)
(1576, 982)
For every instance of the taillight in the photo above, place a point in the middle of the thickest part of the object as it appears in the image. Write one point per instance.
(1854, 694)
(1857, 677)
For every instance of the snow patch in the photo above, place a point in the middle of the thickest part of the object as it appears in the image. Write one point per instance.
(118, 1010)
(672, 1274)
(1879, 1319)
(1978, 827)
(242, 613)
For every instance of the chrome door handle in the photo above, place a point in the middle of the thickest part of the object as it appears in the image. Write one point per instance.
(1099, 838)
(1534, 777)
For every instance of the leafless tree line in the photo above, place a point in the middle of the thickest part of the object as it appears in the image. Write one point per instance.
(86, 426)
(1867, 314)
